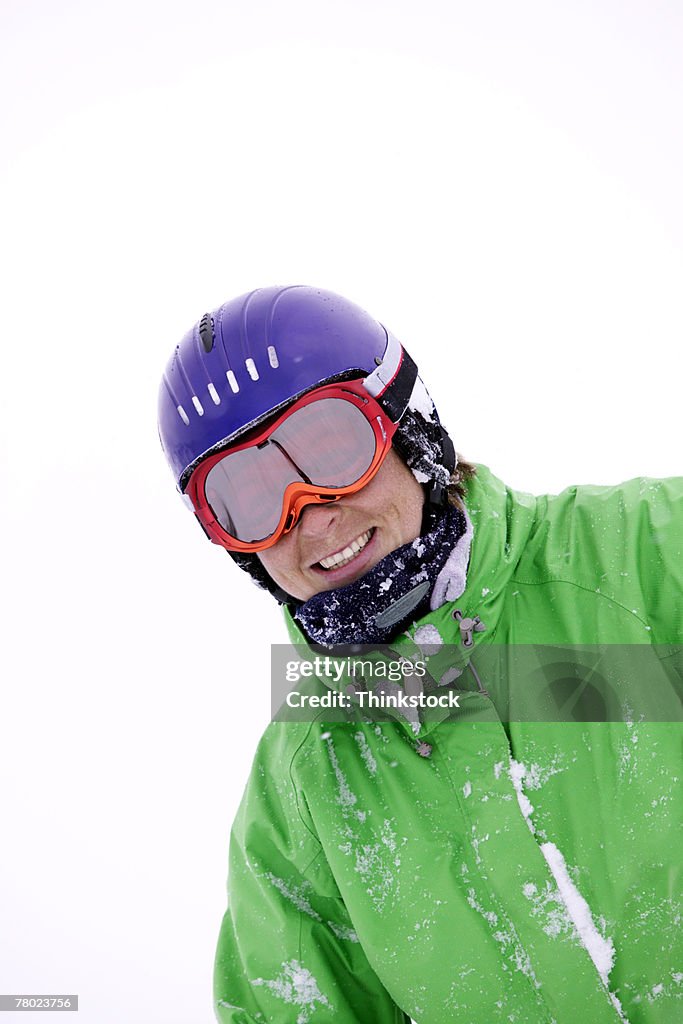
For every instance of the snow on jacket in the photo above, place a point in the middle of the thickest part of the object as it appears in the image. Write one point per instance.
(484, 870)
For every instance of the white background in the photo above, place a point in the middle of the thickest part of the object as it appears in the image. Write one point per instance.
(499, 183)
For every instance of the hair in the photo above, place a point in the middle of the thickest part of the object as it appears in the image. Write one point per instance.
(457, 488)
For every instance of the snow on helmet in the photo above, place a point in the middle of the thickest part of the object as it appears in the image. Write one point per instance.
(261, 351)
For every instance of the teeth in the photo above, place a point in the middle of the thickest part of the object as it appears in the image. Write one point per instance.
(349, 552)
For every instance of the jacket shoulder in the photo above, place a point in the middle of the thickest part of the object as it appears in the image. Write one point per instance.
(623, 541)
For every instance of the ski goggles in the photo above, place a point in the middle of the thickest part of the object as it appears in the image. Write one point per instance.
(328, 444)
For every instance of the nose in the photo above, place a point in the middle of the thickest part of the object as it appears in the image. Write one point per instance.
(317, 518)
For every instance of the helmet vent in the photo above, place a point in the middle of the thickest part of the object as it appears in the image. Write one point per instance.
(272, 357)
(251, 367)
(232, 381)
(198, 405)
(183, 415)
(206, 332)
(216, 398)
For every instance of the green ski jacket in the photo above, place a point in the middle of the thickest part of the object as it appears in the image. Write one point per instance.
(516, 859)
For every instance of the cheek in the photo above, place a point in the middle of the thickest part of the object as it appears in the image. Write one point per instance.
(273, 562)
(408, 504)
(412, 515)
(280, 563)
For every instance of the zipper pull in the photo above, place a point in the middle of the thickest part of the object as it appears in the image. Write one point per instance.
(468, 626)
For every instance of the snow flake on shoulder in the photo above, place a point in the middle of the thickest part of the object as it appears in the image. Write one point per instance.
(347, 799)
(375, 852)
(428, 639)
(295, 894)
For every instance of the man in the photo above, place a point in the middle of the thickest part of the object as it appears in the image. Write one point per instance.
(515, 859)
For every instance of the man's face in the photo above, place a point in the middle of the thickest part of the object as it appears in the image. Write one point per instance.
(360, 529)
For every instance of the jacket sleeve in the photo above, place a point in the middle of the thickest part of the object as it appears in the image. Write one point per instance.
(656, 535)
(287, 951)
(626, 543)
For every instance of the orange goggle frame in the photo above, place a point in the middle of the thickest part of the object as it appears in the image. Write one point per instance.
(328, 444)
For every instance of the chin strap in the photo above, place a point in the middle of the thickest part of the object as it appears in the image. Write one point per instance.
(437, 493)
(253, 565)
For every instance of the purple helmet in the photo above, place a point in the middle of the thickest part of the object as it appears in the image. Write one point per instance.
(253, 356)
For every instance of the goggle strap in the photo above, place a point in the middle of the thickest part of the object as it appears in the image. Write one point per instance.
(394, 399)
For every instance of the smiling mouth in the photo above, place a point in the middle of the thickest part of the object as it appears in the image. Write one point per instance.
(347, 554)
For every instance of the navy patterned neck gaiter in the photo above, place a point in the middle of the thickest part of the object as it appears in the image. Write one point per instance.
(395, 592)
